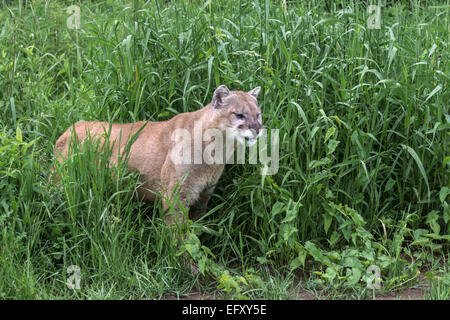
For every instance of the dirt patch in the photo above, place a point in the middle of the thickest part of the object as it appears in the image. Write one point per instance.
(418, 292)
(305, 296)
(191, 296)
(408, 294)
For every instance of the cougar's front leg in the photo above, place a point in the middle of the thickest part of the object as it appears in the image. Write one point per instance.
(174, 216)
(181, 189)
(169, 188)
(176, 203)
(177, 191)
(199, 208)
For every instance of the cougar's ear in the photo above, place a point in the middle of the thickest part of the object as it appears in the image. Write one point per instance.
(219, 95)
(255, 92)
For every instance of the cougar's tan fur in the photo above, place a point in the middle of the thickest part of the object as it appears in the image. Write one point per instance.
(236, 111)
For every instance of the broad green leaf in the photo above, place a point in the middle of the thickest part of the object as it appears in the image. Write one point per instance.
(326, 222)
(330, 273)
(334, 238)
(19, 134)
(317, 254)
(431, 220)
(438, 237)
(299, 260)
(277, 208)
(317, 163)
(446, 161)
(329, 133)
(419, 233)
(432, 93)
(389, 185)
(445, 191)
(355, 276)
(331, 147)
(419, 164)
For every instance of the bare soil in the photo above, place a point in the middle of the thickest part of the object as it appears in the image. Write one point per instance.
(417, 292)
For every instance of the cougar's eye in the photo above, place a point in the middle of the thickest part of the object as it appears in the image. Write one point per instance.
(239, 115)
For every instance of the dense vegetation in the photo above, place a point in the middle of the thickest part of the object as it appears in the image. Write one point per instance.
(364, 133)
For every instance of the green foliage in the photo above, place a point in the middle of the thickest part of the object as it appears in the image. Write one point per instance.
(364, 164)
(16, 166)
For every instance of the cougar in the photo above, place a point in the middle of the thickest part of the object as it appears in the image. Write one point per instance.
(233, 115)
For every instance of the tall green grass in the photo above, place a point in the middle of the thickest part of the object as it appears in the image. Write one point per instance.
(364, 163)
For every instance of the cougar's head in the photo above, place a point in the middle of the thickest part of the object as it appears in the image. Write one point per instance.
(238, 113)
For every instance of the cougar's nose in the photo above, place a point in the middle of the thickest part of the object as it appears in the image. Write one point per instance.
(256, 127)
